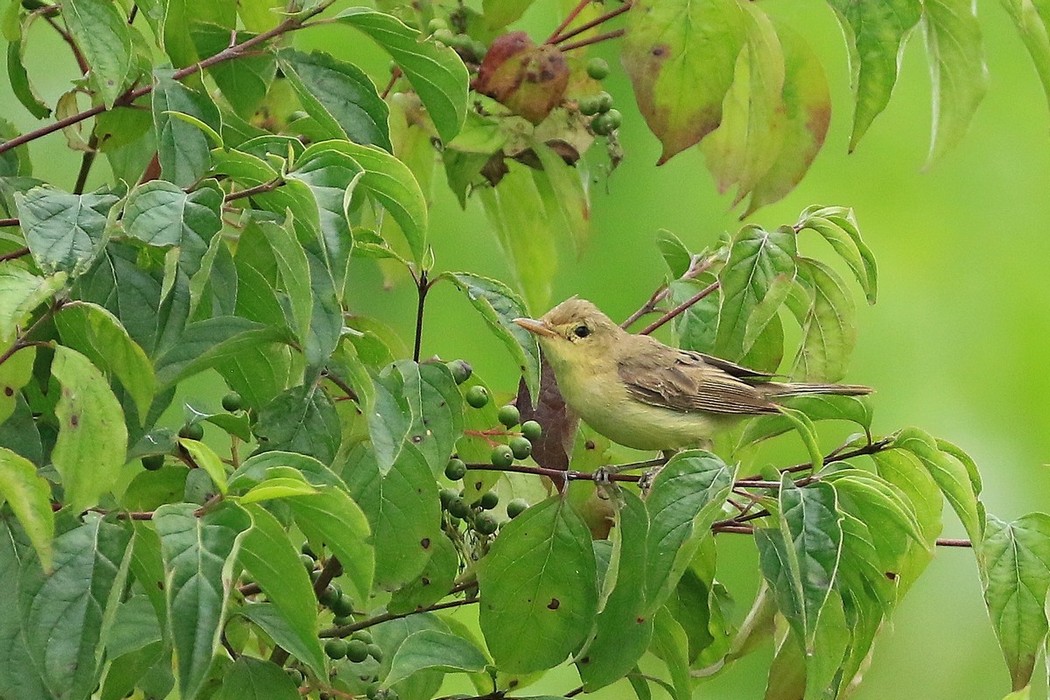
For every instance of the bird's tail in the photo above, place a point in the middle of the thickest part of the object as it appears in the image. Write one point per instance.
(803, 389)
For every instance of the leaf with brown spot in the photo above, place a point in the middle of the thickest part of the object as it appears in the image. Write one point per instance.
(680, 56)
(530, 80)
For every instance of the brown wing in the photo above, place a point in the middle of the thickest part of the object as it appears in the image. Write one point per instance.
(685, 381)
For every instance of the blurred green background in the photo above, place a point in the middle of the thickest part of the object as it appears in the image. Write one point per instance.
(957, 344)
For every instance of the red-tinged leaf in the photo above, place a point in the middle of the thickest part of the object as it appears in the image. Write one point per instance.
(530, 80)
(806, 104)
(553, 448)
(680, 56)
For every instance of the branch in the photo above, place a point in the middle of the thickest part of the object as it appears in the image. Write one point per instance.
(596, 39)
(231, 52)
(252, 191)
(347, 630)
(601, 19)
(679, 309)
(568, 20)
(697, 266)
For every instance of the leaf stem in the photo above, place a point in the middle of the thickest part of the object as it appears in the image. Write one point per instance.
(422, 287)
(252, 191)
(553, 38)
(596, 39)
(85, 164)
(601, 19)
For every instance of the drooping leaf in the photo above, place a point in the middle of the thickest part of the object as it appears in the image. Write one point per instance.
(436, 72)
(182, 148)
(1034, 27)
(839, 228)
(816, 408)
(65, 232)
(957, 70)
(90, 567)
(92, 437)
(1015, 568)
(829, 331)
(19, 80)
(540, 573)
(499, 306)
(432, 649)
(800, 557)
(339, 96)
(29, 497)
(268, 555)
(874, 34)
(671, 645)
(199, 554)
(104, 36)
(97, 334)
(680, 56)
(20, 292)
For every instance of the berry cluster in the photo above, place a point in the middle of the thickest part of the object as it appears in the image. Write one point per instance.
(605, 119)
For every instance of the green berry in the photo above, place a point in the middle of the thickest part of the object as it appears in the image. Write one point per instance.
(356, 651)
(477, 396)
(152, 462)
(341, 620)
(296, 675)
(605, 102)
(308, 561)
(444, 36)
(446, 496)
(455, 469)
(602, 125)
(485, 523)
(362, 635)
(587, 106)
(516, 507)
(509, 415)
(343, 606)
(192, 431)
(372, 693)
(436, 25)
(614, 118)
(531, 430)
(308, 550)
(461, 370)
(598, 68)
(335, 648)
(502, 456)
(489, 500)
(375, 652)
(478, 49)
(232, 402)
(520, 447)
(458, 507)
(329, 596)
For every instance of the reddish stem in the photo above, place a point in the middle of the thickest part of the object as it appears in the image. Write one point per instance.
(593, 23)
(596, 39)
(568, 20)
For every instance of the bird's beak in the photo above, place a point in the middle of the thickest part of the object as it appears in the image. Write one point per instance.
(537, 327)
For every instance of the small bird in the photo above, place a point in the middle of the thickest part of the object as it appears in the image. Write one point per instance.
(638, 392)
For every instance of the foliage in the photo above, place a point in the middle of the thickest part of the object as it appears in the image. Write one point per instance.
(308, 538)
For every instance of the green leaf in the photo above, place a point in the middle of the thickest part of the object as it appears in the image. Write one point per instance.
(19, 80)
(403, 511)
(623, 627)
(1015, 569)
(807, 432)
(675, 254)
(277, 487)
(527, 240)
(806, 114)
(64, 231)
(97, 334)
(182, 148)
(757, 259)
(205, 458)
(256, 679)
(339, 96)
(432, 649)
(874, 34)
(433, 583)
(564, 197)
(958, 72)
(745, 145)
(19, 678)
(64, 612)
(162, 214)
(680, 56)
(539, 575)
(686, 497)
(104, 37)
(499, 306)
(952, 478)
(333, 518)
(500, 13)
(1031, 20)
(245, 81)
(671, 645)
(20, 292)
(92, 437)
(436, 72)
(828, 327)
(816, 408)
(839, 228)
(295, 274)
(268, 555)
(206, 343)
(199, 554)
(800, 557)
(302, 419)
(29, 497)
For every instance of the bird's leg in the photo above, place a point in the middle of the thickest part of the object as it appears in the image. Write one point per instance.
(646, 481)
(603, 475)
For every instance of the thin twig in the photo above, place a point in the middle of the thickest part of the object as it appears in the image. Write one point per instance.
(347, 630)
(252, 191)
(568, 20)
(8, 222)
(236, 51)
(596, 39)
(422, 287)
(697, 266)
(602, 19)
(394, 75)
(85, 164)
(82, 63)
(14, 254)
(680, 308)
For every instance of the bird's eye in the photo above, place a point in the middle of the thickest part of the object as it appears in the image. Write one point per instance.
(582, 331)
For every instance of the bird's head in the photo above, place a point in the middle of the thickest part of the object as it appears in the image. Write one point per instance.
(575, 333)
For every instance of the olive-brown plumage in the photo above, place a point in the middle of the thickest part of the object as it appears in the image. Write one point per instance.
(643, 394)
